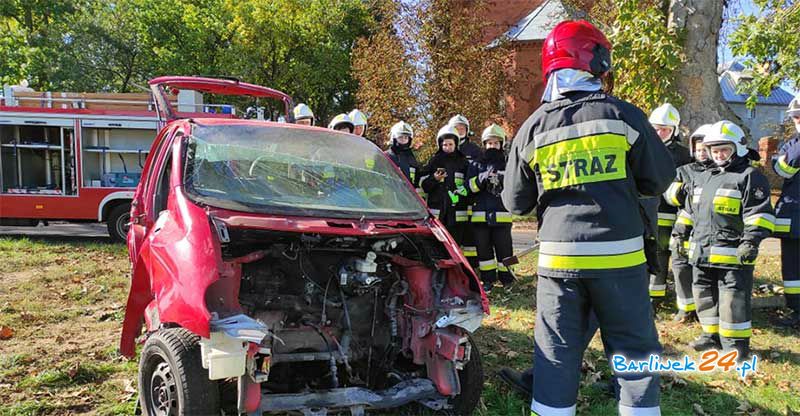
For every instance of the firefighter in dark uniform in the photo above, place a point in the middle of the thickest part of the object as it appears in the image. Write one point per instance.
(731, 212)
(401, 153)
(473, 153)
(787, 212)
(491, 222)
(445, 182)
(676, 196)
(582, 160)
(666, 120)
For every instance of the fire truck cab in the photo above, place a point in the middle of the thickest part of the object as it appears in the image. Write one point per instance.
(78, 156)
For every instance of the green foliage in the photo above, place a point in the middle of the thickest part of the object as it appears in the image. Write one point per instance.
(770, 41)
(299, 46)
(647, 54)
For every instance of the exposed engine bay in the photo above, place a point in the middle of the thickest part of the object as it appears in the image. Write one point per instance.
(381, 313)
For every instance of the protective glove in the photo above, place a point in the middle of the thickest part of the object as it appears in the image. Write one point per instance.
(454, 197)
(483, 177)
(461, 190)
(747, 252)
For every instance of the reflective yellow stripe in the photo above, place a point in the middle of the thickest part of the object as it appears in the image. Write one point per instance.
(469, 209)
(766, 221)
(686, 307)
(783, 225)
(658, 293)
(487, 265)
(461, 216)
(725, 255)
(666, 219)
(501, 267)
(784, 169)
(503, 217)
(736, 330)
(685, 219)
(671, 196)
(791, 287)
(617, 261)
(469, 251)
(478, 216)
(727, 201)
(412, 174)
(710, 329)
(587, 159)
(473, 185)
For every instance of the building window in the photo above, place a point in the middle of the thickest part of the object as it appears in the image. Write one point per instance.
(751, 112)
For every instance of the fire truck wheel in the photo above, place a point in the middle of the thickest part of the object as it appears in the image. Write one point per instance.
(117, 222)
(172, 380)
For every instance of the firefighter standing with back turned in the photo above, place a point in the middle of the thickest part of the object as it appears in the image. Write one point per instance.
(731, 213)
(581, 160)
(787, 211)
(666, 120)
(676, 196)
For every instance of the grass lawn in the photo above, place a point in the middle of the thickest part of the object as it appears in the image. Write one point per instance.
(62, 302)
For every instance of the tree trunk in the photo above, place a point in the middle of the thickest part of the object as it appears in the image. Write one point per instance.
(700, 21)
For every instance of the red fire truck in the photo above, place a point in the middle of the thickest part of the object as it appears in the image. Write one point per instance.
(78, 156)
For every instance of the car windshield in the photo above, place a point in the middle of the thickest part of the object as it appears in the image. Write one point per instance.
(293, 171)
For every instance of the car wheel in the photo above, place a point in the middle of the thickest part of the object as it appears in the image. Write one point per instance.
(172, 380)
(118, 223)
(471, 379)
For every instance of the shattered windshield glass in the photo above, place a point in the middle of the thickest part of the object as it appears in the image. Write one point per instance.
(279, 170)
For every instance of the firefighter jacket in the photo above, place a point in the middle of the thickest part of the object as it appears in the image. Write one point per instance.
(405, 159)
(582, 162)
(470, 150)
(676, 194)
(728, 206)
(447, 199)
(667, 213)
(787, 210)
(485, 182)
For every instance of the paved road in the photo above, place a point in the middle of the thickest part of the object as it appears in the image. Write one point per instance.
(66, 231)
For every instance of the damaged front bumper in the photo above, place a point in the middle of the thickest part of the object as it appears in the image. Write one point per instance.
(356, 399)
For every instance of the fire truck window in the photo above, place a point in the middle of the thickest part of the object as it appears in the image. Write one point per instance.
(162, 190)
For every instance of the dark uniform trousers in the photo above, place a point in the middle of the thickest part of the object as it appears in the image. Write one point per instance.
(494, 244)
(790, 270)
(564, 317)
(723, 299)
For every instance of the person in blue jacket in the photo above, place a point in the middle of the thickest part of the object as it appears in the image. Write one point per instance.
(787, 213)
(491, 222)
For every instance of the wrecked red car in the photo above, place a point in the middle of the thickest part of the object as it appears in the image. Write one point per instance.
(279, 268)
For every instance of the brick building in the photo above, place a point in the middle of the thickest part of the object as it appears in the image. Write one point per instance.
(525, 24)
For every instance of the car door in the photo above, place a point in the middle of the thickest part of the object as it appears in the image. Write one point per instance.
(141, 220)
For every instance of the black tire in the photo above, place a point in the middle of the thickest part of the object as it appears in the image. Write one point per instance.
(471, 378)
(117, 222)
(172, 380)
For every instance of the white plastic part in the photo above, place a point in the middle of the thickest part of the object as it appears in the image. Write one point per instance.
(367, 265)
(223, 356)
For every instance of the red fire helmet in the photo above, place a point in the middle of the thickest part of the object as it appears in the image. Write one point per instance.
(576, 44)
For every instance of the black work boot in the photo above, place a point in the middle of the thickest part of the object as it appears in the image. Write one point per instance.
(791, 320)
(706, 342)
(684, 317)
(740, 345)
(520, 382)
